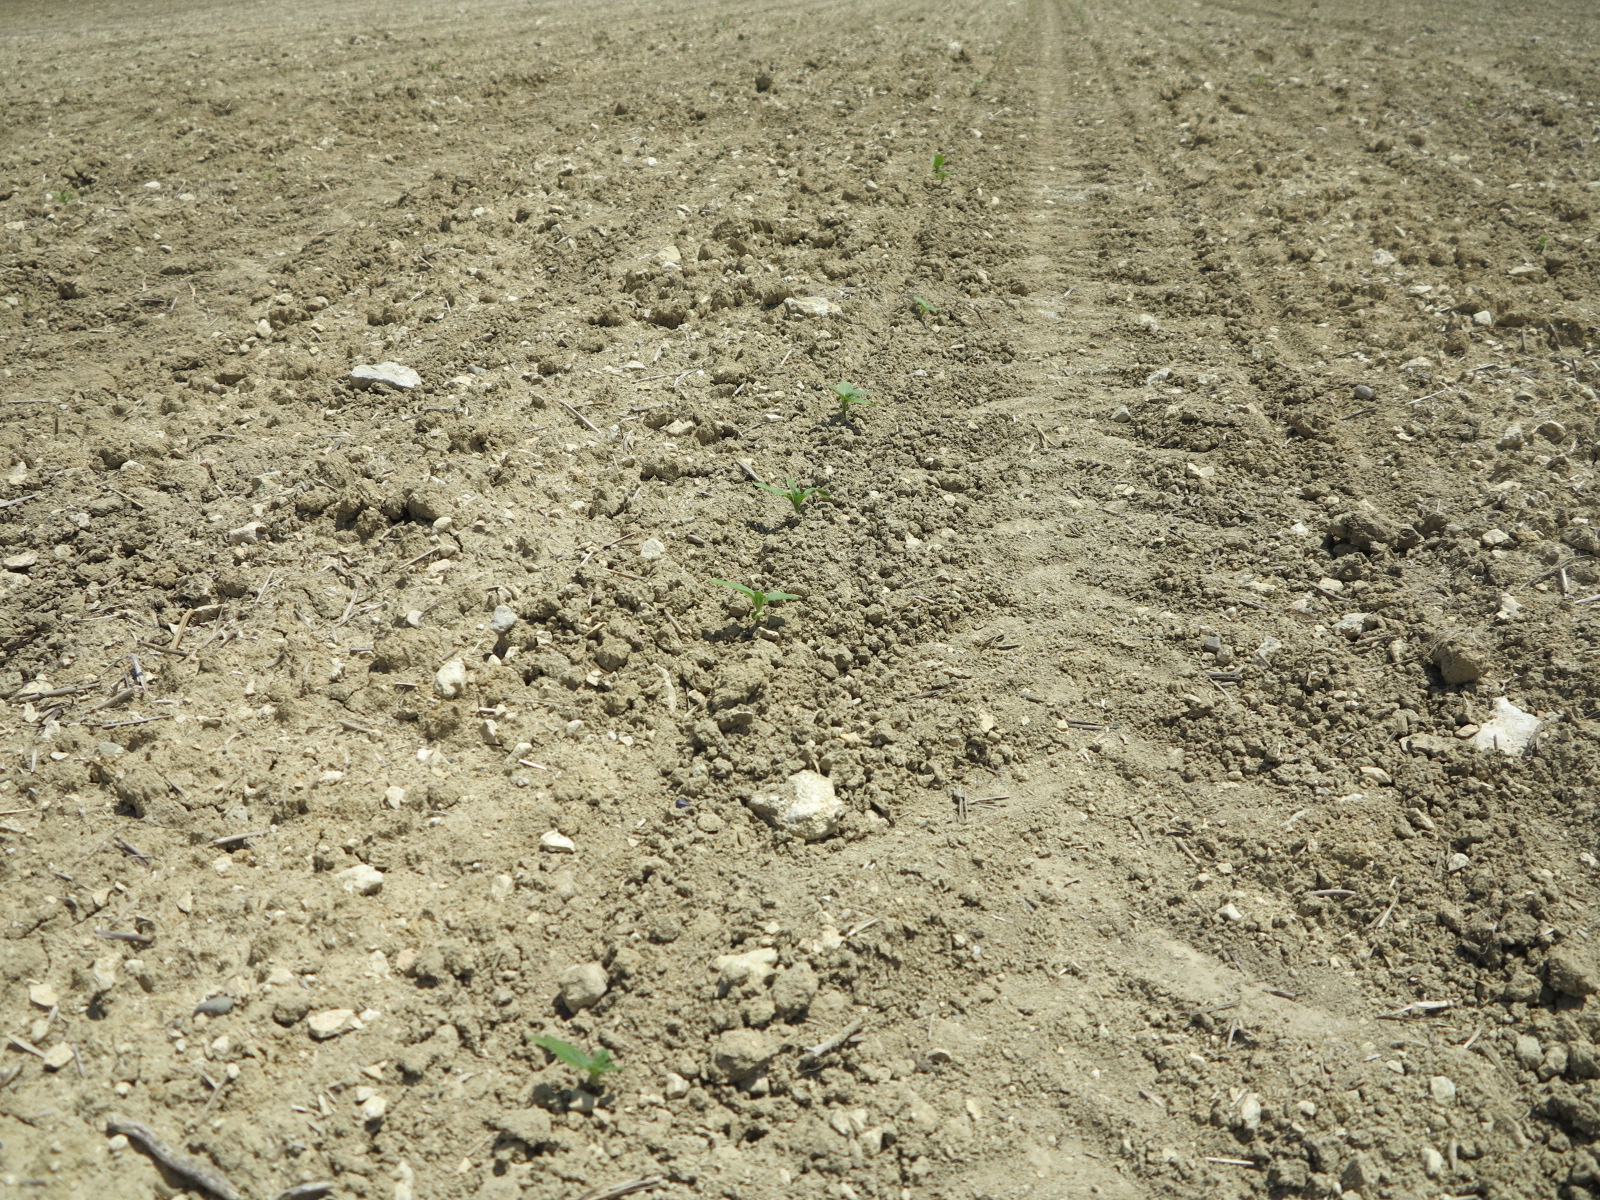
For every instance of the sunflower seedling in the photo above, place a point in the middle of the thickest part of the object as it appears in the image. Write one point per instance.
(939, 172)
(596, 1064)
(922, 307)
(849, 395)
(758, 600)
(792, 492)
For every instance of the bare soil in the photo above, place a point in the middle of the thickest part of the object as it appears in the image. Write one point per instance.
(1227, 495)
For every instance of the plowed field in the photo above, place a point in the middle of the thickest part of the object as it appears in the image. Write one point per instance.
(1179, 642)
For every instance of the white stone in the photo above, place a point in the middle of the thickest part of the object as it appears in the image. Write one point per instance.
(805, 805)
(394, 797)
(1353, 625)
(1250, 1111)
(1483, 317)
(675, 1087)
(1457, 862)
(503, 619)
(43, 995)
(1432, 1162)
(1443, 1089)
(330, 1023)
(388, 374)
(362, 879)
(557, 843)
(755, 966)
(811, 306)
(1230, 912)
(450, 680)
(1383, 258)
(245, 534)
(57, 1056)
(582, 986)
(500, 888)
(1510, 730)
(651, 549)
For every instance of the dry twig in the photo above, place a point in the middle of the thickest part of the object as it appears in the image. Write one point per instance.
(616, 1190)
(823, 1048)
(184, 1167)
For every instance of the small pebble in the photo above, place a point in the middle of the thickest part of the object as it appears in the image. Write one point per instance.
(1443, 1089)
(388, 374)
(450, 680)
(215, 1006)
(503, 619)
(1250, 1112)
(361, 880)
(583, 986)
(1363, 392)
(755, 966)
(331, 1023)
(557, 843)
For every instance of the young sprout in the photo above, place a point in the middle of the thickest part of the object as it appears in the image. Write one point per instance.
(849, 396)
(1539, 245)
(596, 1064)
(939, 172)
(792, 492)
(923, 308)
(758, 600)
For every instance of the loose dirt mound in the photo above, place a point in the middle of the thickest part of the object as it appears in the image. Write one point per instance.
(1185, 682)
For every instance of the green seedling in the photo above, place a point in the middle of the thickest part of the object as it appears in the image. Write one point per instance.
(939, 172)
(63, 197)
(792, 492)
(922, 307)
(758, 600)
(596, 1064)
(1539, 245)
(849, 396)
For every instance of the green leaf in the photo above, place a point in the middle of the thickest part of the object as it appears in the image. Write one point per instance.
(747, 592)
(595, 1064)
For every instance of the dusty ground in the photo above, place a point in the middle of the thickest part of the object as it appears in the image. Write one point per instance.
(1237, 463)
